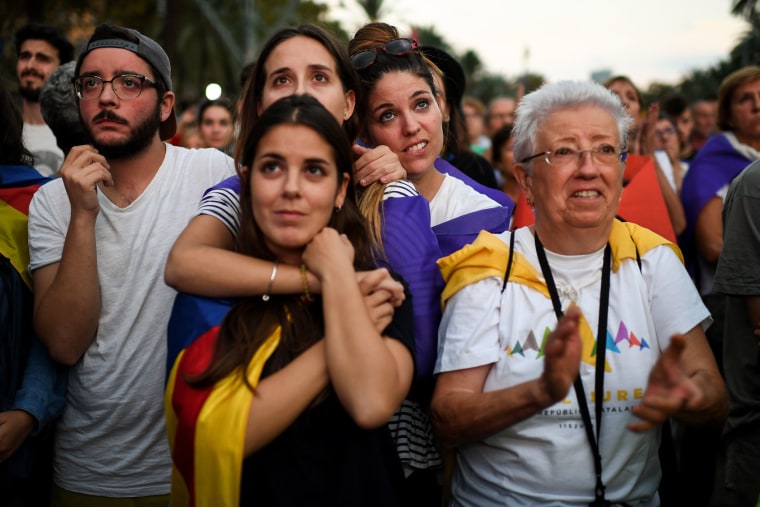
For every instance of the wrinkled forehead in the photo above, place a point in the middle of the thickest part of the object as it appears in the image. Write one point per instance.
(39, 46)
(586, 121)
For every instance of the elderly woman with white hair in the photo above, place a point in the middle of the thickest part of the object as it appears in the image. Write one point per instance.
(565, 345)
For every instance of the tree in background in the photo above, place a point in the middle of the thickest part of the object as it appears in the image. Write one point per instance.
(211, 40)
(206, 40)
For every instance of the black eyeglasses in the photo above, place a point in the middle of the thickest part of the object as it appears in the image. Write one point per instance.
(396, 47)
(604, 154)
(125, 86)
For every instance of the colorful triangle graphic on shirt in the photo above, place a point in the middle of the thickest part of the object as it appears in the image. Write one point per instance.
(634, 341)
(622, 333)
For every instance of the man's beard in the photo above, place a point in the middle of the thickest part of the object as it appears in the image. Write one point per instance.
(142, 136)
(27, 92)
(30, 94)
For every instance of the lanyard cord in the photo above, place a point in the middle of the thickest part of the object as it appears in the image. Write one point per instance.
(601, 349)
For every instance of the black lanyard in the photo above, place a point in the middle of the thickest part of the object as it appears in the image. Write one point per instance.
(601, 349)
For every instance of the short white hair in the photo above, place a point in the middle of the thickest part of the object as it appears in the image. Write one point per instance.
(537, 106)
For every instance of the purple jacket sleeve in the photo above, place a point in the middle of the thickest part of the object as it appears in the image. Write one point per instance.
(411, 250)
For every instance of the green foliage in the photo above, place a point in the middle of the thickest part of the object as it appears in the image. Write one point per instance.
(210, 40)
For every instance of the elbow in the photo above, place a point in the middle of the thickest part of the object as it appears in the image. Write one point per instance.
(59, 348)
(180, 271)
(64, 355)
(711, 253)
(172, 271)
(442, 427)
(679, 226)
(369, 415)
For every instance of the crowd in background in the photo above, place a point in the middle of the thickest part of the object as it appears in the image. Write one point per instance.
(97, 237)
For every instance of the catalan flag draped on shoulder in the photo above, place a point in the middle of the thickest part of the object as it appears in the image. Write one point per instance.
(18, 183)
(206, 427)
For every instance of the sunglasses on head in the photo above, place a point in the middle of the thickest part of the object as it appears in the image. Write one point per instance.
(396, 47)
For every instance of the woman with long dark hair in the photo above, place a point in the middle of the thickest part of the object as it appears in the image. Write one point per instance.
(286, 402)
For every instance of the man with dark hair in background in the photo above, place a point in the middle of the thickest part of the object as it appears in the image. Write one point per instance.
(40, 49)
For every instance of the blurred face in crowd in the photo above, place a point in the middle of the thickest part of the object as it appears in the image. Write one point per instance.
(705, 115)
(508, 157)
(37, 59)
(301, 65)
(474, 122)
(685, 124)
(630, 99)
(745, 112)
(216, 127)
(666, 138)
(501, 112)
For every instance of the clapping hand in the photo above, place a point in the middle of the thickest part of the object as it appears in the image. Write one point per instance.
(562, 356)
(668, 391)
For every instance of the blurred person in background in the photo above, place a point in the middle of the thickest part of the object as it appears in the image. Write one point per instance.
(504, 161)
(474, 117)
(216, 124)
(678, 109)
(40, 49)
(666, 138)
(648, 198)
(705, 114)
(501, 112)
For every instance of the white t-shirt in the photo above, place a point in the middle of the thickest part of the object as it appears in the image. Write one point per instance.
(455, 199)
(546, 459)
(111, 439)
(40, 140)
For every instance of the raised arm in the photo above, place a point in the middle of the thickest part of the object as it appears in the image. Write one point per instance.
(67, 293)
(203, 262)
(463, 413)
(371, 374)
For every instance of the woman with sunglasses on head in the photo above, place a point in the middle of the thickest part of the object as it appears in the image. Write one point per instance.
(565, 345)
(303, 59)
(418, 220)
(287, 402)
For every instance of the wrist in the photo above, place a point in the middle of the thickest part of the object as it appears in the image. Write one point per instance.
(307, 295)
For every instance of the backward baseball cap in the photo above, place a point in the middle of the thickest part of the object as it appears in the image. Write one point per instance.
(144, 47)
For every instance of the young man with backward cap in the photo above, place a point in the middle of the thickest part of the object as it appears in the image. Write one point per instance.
(99, 237)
